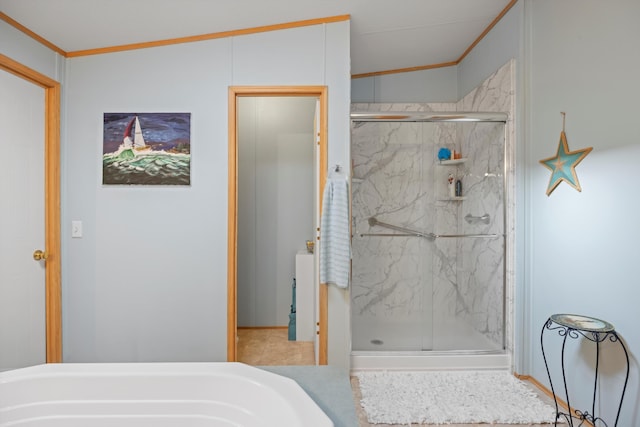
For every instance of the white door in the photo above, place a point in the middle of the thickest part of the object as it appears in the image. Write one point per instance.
(22, 279)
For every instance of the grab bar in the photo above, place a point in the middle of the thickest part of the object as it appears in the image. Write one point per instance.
(374, 221)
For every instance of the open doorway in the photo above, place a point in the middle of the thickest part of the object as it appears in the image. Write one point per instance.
(277, 164)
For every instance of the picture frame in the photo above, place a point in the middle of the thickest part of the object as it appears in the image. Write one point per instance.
(146, 149)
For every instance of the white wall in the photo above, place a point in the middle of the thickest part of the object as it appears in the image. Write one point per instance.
(434, 85)
(501, 44)
(169, 301)
(582, 247)
(337, 78)
(22, 48)
(448, 84)
(151, 289)
(275, 203)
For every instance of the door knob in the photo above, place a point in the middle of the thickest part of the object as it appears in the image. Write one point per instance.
(38, 255)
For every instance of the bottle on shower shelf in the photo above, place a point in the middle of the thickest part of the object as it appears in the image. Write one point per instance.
(458, 188)
(452, 186)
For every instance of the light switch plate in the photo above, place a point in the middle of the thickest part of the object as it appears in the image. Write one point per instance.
(76, 229)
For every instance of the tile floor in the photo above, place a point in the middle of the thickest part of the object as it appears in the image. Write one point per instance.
(271, 347)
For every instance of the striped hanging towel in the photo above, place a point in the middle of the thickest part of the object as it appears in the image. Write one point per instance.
(335, 242)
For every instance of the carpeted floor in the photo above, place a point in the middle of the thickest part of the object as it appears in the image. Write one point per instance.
(452, 398)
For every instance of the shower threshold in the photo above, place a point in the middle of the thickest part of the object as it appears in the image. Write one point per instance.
(430, 360)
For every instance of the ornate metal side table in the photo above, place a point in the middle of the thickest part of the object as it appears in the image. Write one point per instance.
(575, 326)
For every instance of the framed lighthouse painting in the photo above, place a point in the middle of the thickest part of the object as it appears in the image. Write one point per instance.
(146, 149)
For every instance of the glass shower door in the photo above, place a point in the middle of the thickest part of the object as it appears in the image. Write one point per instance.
(468, 263)
(390, 296)
(412, 292)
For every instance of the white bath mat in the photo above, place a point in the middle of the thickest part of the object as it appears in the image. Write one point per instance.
(450, 397)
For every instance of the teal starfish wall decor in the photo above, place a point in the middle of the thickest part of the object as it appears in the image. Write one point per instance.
(563, 165)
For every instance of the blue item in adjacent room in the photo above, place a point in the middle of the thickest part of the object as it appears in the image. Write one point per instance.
(292, 314)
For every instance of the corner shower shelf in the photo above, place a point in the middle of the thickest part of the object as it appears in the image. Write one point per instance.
(452, 162)
(453, 199)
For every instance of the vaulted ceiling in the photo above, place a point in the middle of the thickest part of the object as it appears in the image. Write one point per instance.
(385, 34)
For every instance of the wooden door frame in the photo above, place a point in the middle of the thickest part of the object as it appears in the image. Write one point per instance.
(53, 314)
(232, 234)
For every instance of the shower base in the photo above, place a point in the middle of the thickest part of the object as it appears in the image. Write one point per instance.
(401, 335)
(398, 344)
(429, 360)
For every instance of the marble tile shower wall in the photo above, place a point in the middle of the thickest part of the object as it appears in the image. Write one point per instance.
(397, 179)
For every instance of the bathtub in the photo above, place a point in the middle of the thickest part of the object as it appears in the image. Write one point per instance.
(153, 394)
